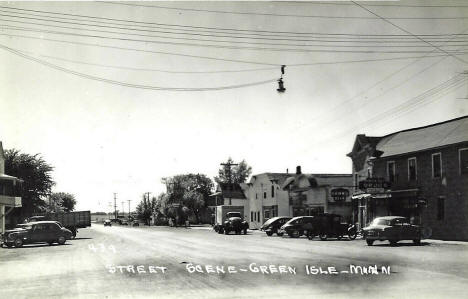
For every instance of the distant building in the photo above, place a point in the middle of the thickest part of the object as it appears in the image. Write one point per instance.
(229, 194)
(10, 192)
(420, 173)
(312, 194)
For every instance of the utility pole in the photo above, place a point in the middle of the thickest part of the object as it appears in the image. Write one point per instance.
(123, 210)
(129, 207)
(228, 165)
(115, 205)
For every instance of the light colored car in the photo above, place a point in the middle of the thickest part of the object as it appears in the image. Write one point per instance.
(393, 229)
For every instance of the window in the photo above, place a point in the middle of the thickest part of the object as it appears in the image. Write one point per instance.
(436, 165)
(258, 216)
(369, 172)
(412, 169)
(264, 194)
(440, 208)
(391, 171)
(266, 214)
(256, 195)
(272, 191)
(251, 216)
(463, 157)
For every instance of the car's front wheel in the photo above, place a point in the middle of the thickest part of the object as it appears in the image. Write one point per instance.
(323, 236)
(352, 235)
(279, 234)
(295, 234)
(61, 240)
(18, 242)
(417, 241)
(269, 234)
(369, 242)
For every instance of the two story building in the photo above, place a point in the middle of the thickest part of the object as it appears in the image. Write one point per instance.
(312, 194)
(424, 172)
(10, 190)
(266, 197)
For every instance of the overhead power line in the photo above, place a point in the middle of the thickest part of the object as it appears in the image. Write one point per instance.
(368, 44)
(406, 31)
(126, 84)
(277, 15)
(225, 46)
(198, 28)
(229, 35)
(140, 50)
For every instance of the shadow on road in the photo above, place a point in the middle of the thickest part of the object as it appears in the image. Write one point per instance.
(82, 239)
(402, 244)
(36, 246)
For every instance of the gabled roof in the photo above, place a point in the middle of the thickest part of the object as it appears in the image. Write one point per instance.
(416, 139)
(278, 177)
(231, 190)
(423, 138)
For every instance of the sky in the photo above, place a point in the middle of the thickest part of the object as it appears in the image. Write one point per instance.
(60, 63)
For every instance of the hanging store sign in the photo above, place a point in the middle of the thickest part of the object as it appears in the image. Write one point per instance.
(374, 185)
(339, 194)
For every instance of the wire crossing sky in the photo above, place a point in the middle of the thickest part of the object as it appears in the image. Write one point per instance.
(117, 95)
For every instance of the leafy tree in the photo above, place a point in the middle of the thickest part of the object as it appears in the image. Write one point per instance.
(37, 180)
(189, 190)
(234, 174)
(145, 209)
(62, 201)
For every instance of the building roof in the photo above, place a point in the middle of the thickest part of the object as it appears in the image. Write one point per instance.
(416, 139)
(275, 176)
(427, 137)
(231, 190)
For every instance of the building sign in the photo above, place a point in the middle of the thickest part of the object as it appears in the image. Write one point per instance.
(374, 185)
(339, 194)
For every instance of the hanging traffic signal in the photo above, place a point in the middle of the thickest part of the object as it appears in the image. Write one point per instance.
(280, 81)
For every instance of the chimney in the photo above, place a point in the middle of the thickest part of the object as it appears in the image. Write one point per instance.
(298, 170)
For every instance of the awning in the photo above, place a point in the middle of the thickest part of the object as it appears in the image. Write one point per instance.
(369, 195)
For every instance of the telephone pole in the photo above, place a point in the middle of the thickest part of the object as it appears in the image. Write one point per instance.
(228, 165)
(115, 205)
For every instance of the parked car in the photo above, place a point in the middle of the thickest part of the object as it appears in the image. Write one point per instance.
(272, 225)
(107, 222)
(235, 223)
(135, 223)
(123, 222)
(116, 220)
(331, 226)
(298, 226)
(36, 232)
(393, 229)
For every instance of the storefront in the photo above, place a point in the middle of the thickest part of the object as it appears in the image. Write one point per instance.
(368, 206)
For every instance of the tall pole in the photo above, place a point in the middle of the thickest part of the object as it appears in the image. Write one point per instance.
(228, 165)
(115, 205)
(129, 207)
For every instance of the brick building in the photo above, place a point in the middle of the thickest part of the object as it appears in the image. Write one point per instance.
(427, 172)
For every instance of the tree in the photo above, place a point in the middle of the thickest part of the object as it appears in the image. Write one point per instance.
(37, 180)
(146, 208)
(189, 190)
(233, 174)
(62, 201)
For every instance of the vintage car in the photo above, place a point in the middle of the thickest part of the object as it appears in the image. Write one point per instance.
(135, 223)
(393, 229)
(298, 226)
(107, 222)
(272, 225)
(124, 222)
(331, 226)
(36, 232)
(234, 223)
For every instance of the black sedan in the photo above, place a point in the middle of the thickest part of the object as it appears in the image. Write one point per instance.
(272, 225)
(36, 232)
(393, 229)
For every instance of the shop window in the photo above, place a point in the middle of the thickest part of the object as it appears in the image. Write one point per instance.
(464, 161)
(391, 171)
(412, 169)
(440, 208)
(436, 165)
